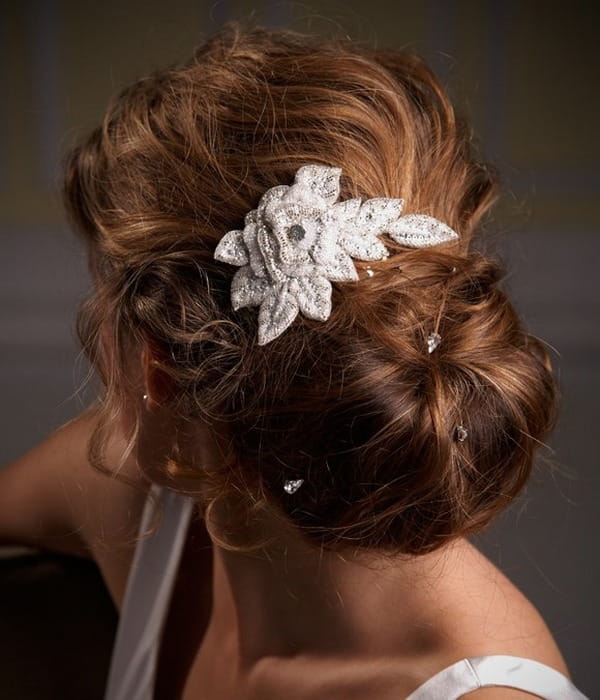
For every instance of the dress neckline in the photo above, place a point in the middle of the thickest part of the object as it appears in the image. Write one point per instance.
(469, 674)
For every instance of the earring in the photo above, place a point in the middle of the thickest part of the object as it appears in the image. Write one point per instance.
(144, 397)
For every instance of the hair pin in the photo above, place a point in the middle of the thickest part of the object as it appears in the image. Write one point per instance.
(433, 340)
(461, 433)
(292, 485)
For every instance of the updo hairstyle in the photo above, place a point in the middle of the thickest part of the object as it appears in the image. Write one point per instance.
(356, 405)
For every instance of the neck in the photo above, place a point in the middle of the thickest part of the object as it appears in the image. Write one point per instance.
(290, 598)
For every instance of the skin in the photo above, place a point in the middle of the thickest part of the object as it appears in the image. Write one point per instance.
(287, 621)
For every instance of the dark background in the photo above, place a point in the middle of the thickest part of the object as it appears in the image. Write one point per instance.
(527, 74)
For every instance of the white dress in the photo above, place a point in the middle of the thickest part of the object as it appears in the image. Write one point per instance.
(149, 586)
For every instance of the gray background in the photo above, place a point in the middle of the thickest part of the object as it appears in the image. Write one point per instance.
(525, 72)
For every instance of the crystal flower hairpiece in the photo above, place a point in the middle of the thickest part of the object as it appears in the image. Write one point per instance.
(300, 239)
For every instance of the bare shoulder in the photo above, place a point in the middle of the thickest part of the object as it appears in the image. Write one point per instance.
(473, 610)
(53, 498)
(109, 507)
(490, 615)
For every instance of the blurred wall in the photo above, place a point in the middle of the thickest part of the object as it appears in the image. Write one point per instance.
(526, 73)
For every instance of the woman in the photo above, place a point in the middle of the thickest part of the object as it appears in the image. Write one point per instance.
(315, 388)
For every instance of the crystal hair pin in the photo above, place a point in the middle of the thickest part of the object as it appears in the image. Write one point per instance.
(461, 433)
(433, 341)
(300, 239)
(292, 485)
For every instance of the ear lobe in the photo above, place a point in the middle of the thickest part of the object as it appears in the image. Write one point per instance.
(160, 387)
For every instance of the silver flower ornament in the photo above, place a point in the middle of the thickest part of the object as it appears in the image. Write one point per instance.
(300, 238)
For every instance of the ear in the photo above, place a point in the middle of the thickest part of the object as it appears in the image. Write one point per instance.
(160, 387)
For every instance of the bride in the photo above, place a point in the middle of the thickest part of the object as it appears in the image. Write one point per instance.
(314, 388)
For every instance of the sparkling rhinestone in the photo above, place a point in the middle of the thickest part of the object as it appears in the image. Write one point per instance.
(461, 433)
(292, 485)
(296, 232)
(433, 340)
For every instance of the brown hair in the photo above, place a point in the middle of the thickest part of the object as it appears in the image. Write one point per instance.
(355, 405)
